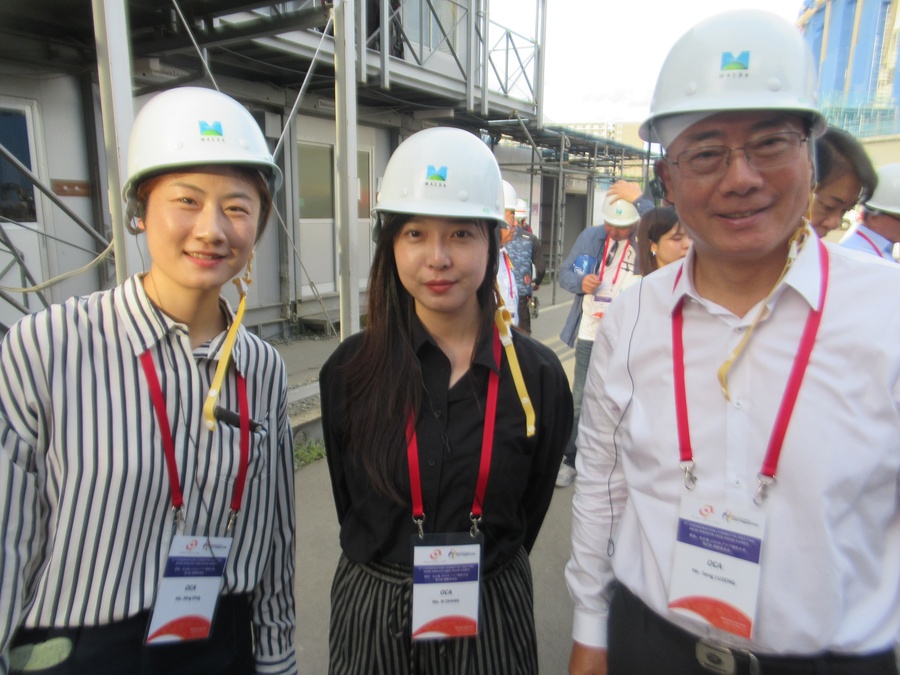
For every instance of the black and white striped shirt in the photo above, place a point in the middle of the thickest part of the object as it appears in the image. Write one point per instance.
(85, 505)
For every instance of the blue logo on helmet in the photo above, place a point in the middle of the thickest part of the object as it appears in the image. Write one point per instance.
(438, 174)
(739, 62)
(211, 130)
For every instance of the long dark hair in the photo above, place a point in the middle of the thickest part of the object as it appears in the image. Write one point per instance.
(384, 380)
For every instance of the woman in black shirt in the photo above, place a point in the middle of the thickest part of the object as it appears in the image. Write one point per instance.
(405, 405)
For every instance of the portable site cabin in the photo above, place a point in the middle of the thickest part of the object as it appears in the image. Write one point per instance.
(334, 86)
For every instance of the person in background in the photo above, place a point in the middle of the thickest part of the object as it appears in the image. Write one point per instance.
(598, 267)
(736, 504)
(522, 215)
(506, 276)
(145, 431)
(527, 257)
(879, 232)
(845, 177)
(631, 193)
(442, 429)
(660, 239)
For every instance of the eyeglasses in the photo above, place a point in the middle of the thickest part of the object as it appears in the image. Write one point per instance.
(766, 152)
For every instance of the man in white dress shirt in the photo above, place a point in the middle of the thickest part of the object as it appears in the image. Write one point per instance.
(736, 506)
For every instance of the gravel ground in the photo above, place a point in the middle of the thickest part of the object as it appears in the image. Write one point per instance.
(303, 406)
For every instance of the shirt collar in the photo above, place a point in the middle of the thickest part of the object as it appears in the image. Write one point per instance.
(884, 244)
(484, 350)
(804, 275)
(146, 325)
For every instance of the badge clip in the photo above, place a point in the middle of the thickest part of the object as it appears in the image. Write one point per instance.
(762, 492)
(690, 480)
(474, 529)
(418, 520)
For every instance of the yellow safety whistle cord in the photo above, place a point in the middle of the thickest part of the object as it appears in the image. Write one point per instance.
(503, 321)
(209, 407)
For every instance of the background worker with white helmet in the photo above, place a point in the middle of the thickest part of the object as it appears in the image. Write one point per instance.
(521, 214)
(506, 278)
(736, 505)
(879, 232)
(408, 406)
(527, 258)
(598, 267)
(145, 446)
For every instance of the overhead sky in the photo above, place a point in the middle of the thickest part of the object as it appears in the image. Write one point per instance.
(603, 57)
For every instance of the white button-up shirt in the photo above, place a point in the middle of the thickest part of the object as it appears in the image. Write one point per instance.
(829, 576)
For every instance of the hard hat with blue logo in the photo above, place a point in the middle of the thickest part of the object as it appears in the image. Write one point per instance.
(442, 172)
(193, 126)
(618, 213)
(744, 59)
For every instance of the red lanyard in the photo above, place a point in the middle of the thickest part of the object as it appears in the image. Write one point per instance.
(507, 264)
(766, 475)
(621, 260)
(487, 446)
(871, 243)
(162, 417)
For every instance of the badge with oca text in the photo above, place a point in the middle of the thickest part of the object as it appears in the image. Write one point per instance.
(603, 295)
(189, 590)
(446, 585)
(715, 576)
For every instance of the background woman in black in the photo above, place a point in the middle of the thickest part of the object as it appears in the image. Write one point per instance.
(428, 352)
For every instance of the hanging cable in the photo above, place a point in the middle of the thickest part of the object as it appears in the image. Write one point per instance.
(196, 46)
(312, 66)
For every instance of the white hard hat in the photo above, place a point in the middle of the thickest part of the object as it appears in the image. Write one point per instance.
(619, 213)
(509, 197)
(192, 126)
(887, 193)
(521, 208)
(739, 60)
(443, 172)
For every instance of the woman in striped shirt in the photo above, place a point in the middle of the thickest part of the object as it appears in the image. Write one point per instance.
(148, 509)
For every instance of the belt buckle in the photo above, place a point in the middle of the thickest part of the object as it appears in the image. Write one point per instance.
(715, 658)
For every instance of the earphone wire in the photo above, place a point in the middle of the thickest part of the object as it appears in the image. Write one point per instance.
(610, 543)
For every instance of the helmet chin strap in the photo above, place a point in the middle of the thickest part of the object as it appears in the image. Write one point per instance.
(503, 321)
(209, 406)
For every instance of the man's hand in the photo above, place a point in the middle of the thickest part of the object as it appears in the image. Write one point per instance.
(587, 660)
(589, 283)
(622, 189)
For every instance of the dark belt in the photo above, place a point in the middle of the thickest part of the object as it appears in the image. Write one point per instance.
(119, 647)
(716, 658)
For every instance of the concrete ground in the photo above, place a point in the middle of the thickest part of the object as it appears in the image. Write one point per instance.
(317, 529)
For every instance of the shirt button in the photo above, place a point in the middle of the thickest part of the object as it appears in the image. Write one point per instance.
(738, 404)
(431, 462)
(738, 482)
(437, 414)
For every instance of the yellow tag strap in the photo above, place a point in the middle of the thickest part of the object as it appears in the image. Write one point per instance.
(502, 321)
(796, 242)
(209, 406)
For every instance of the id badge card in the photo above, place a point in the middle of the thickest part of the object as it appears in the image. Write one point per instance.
(603, 295)
(715, 576)
(446, 585)
(188, 592)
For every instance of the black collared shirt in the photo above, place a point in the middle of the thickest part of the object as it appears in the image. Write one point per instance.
(449, 429)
